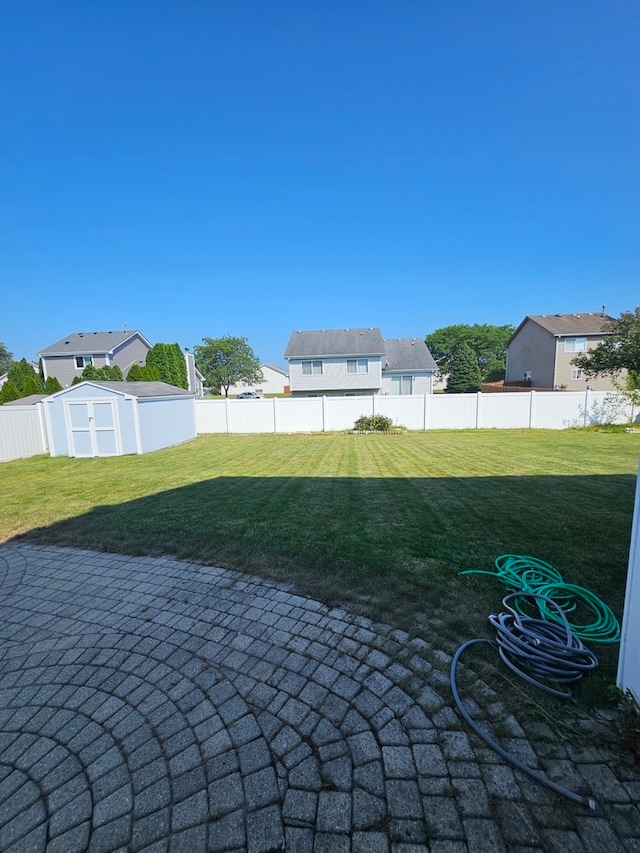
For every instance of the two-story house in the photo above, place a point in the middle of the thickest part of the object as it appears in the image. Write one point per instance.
(350, 362)
(542, 348)
(68, 357)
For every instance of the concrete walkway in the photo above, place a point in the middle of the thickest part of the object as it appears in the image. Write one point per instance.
(150, 704)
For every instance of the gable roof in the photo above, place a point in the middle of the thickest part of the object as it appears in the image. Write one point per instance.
(91, 343)
(335, 342)
(407, 354)
(560, 325)
(133, 389)
(276, 368)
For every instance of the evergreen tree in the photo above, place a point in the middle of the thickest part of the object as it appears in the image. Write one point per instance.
(31, 385)
(52, 385)
(464, 373)
(19, 373)
(169, 361)
(9, 391)
(142, 373)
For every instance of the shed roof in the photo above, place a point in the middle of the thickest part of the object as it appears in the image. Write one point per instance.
(561, 325)
(134, 389)
(30, 400)
(408, 354)
(335, 342)
(90, 343)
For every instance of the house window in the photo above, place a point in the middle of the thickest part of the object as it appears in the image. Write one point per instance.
(576, 373)
(357, 365)
(575, 344)
(402, 384)
(526, 374)
(311, 368)
(83, 361)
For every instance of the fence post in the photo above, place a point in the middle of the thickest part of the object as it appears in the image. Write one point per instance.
(478, 406)
(425, 414)
(226, 414)
(324, 413)
(586, 406)
(628, 678)
(275, 415)
(532, 408)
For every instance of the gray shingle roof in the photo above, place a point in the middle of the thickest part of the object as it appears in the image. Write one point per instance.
(141, 389)
(275, 367)
(31, 400)
(569, 324)
(335, 342)
(407, 354)
(89, 343)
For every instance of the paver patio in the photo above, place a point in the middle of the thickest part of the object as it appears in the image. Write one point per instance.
(148, 704)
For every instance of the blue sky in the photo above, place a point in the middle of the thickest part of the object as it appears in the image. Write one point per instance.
(195, 168)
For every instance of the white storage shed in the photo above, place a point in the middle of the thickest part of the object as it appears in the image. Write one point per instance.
(96, 418)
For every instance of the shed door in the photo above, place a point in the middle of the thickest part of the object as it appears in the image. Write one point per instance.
(92, 428)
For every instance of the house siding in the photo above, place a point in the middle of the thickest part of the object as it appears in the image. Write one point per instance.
(532, 349)
(335, 378)
(63, 367)
(422, 382)
(564, 368)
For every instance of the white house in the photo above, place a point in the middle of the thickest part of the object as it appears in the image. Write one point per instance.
(356, 362)
(275, 380)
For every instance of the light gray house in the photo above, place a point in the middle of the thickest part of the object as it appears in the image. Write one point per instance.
(96, 418)
(275, 380)
(353, 362)
(541, 350)
(68, 357)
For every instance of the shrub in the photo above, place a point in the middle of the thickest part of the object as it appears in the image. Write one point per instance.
(373, 423)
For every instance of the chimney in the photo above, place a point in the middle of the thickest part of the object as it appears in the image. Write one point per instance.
(603, 310)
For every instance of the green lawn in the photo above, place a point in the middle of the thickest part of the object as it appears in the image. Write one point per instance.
(380, 523)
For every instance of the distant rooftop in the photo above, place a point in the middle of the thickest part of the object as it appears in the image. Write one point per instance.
(90, 343)
(572, 324)
(334, 342)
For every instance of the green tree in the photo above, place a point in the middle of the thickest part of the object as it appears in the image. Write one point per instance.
(169, 361)
(143, 373)
(619, 351)
(52, 385)
(464, 373)
(487, 342)
(22, 374)
(227, 361)
(6, 359)
(9, 391)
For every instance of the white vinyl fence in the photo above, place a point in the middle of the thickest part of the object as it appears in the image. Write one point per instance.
(22, 432)
(629, 658)
(533, 409)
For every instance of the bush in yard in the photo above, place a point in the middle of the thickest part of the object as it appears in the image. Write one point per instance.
(373, 423)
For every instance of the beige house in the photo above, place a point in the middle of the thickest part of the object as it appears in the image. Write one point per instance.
(543, 346)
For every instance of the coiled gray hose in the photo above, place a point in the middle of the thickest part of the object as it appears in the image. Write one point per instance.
(535, 650)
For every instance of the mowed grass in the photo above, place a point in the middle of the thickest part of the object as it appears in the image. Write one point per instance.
(380, 523)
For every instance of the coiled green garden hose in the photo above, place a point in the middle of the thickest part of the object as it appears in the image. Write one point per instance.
(531, 575)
